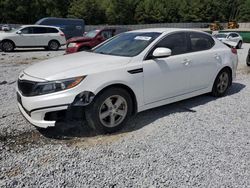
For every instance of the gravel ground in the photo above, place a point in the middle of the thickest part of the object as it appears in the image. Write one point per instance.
(200, 142)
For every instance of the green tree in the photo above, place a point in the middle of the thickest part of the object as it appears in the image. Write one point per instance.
(244, 14)
(120, 11)
(89, 10)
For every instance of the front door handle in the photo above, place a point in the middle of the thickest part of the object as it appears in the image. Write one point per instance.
(217, 57)
(186, 62)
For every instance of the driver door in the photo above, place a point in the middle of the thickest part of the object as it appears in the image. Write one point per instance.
(167, 77)
(25, 38)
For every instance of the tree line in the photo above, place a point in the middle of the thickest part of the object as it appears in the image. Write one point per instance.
(126, 11)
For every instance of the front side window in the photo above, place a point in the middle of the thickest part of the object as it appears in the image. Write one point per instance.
(176, 42)
(234, 35)
(200, 41)
(127, 44)
(27, 30)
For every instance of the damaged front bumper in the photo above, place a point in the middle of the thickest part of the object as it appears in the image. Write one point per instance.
(48, 116)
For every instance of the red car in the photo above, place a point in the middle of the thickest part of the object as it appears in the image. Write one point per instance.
(91, 39)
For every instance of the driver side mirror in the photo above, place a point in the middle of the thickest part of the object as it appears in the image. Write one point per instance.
(162, 52)
(19, 32)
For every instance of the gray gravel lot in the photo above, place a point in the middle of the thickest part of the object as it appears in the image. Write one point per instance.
(200, 142)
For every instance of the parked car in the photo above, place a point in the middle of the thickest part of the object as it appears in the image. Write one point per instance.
(231, 37)
(6, 28)
(70, 27)
(130, 73)
(248, 58)
(91, 39)
(32, 36)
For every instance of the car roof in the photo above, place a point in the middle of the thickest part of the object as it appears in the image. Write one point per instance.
(166, 30)
(40, 26)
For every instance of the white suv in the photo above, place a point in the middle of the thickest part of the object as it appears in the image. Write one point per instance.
(129, 73)
(31, 36)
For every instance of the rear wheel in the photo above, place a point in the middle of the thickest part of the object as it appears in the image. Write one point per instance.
(7, 46)
(222, 83)
(239, 45)
(53, 45)
(109, 111)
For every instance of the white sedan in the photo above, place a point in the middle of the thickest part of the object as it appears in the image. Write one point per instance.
(130, 73)
(232, 39)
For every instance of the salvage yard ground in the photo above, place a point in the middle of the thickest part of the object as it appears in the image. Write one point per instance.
(199, 142)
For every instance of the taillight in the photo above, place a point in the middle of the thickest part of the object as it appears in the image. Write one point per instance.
(62, 34)
(234, 50)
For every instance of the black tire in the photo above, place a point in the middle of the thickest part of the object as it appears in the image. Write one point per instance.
(7, 46)
(248, 62)
(239, 45)
(222, 83)
(94, 111)
(248, 58)
(53, 45)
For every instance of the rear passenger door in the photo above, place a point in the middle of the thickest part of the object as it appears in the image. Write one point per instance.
(203, 60)
(40, 34)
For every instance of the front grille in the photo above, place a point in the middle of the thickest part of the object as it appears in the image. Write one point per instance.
(26, 87)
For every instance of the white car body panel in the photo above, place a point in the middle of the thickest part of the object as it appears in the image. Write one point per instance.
(163, 80)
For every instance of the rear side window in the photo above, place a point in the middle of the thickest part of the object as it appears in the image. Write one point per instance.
(52, 30)
(200, 41)
(176, 42)
(39, 30)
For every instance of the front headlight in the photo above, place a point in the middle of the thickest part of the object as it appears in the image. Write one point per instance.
(72, 45)
(55, 86)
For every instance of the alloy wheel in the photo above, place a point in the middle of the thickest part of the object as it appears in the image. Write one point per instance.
(113, 111)
(223, 82)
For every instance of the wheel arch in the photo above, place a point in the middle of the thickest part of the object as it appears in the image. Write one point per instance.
(5, 40)
(229, 69)
(125, 87)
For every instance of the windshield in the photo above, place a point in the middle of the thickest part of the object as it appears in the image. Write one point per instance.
(91, 34)
(127, 44)
(221, 36)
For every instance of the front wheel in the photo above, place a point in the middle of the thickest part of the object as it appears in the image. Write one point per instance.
(7, 46)
(248, 58)
(109, 111)
(221, 83)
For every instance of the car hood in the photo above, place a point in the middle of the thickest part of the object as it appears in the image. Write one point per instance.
(78, 64)
(79, 39)
(5, 34)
